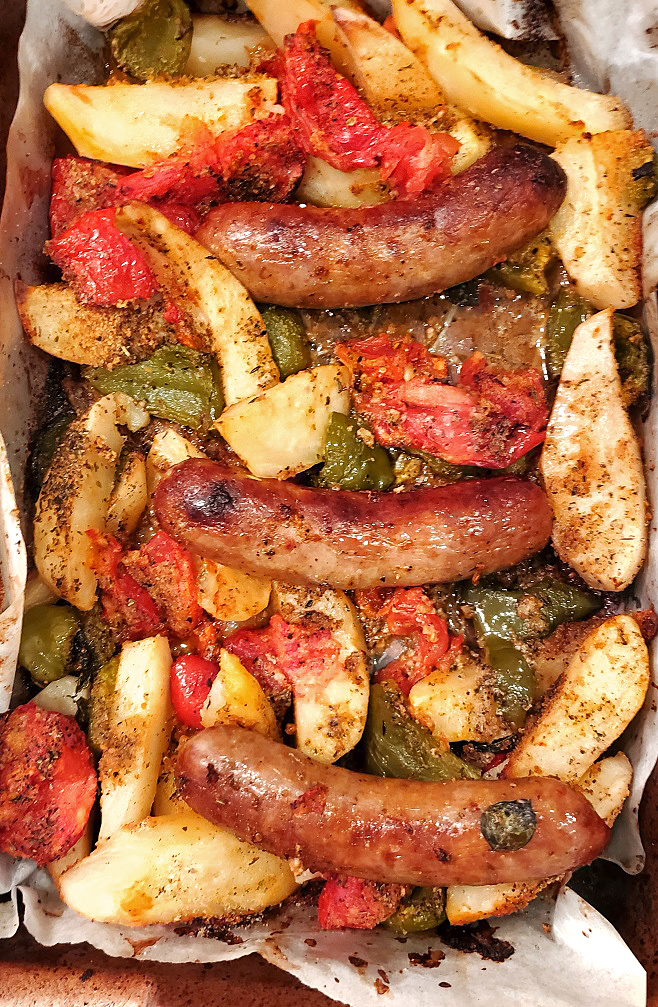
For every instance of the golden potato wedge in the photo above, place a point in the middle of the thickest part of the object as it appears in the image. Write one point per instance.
(592, 704)
(475, 140)
(390, 77)
(468, 903)
(59, 324)
(228, 594)
(171, 869)
(478, 76)
(139, 124)
(236, 697)
(280, 20)
(132, 724)
(597, 231)
(129, 498)
(77, 852)
(75, 496)
(168, 448)
(221, 41)
(607, 784)
(592, 466)
(168, 800)
(458, 704)
(229, 324)
(323, 185)
(329, 715)
(281, 432)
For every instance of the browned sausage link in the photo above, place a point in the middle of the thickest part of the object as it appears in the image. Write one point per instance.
(352, 540)
(305, 256)
(386, 830)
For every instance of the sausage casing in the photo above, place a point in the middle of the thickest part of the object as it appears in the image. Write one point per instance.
(306, 256)
(337, 821)
(352, 540)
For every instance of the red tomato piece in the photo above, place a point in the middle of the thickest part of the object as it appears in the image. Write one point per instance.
(409, 613)
(78, 187)
(489, 419)
(337, 125)
(262, 161)
(284, 655)
(166, 570)
(127, 606)
(191, 679)
(103, 265)
(47, 783)
(357, 904)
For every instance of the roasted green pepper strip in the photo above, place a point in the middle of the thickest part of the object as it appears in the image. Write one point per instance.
(633, 358)
(44, 447)
(155, 41)
(175, 383)
(99, 642)
(100, 704)
(287, 336)
(525, 271)
(46, 641)
(533, 612)
(515, 684)
(423, 909)
(568, 310)
(349, 462)
(396, 746)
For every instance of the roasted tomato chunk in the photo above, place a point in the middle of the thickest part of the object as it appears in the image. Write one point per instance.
(336, 124)
(127, 606)
(357, 904)
(47, 783)
(166, 570)
(489, 419)
(101, 263)
(191, 679)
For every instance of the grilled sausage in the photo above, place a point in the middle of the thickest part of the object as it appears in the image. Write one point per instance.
(305, 256)
(337, 821)
(352, 540)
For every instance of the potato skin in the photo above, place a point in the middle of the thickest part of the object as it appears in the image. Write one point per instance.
(336, 258)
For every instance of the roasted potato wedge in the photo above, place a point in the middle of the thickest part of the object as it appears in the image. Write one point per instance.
(468, 903)
(389, 76)
(221, 41)
(458, 704)
(598, 229)
(59, 324)
(329, 715)
(174, 868)
(139, 124)
(131, 718)
(592, 466)
(229, 594)
(281, 432)
(607, 784)
(592, 704)
(78, 852)
(168, 448)
(475, 74)
(129, 498)
(229, 324)
(323, 185)
(280, 20)
(236, 697)
(75, 496)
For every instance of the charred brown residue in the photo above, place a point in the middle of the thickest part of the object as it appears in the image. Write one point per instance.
(478, 938)
(430, 960)
(360, 964)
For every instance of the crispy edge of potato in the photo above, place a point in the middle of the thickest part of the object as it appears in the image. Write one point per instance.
(236, 697)
(458, 704)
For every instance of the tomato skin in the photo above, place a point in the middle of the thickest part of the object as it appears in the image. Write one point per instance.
(47, 783)
(357, 904)
(191, 680)
(127, 606)
(103, 265)
(78, 187)
(489, 419)
(336, 124)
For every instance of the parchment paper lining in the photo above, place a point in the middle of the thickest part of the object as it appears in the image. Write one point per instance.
(563, 950)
